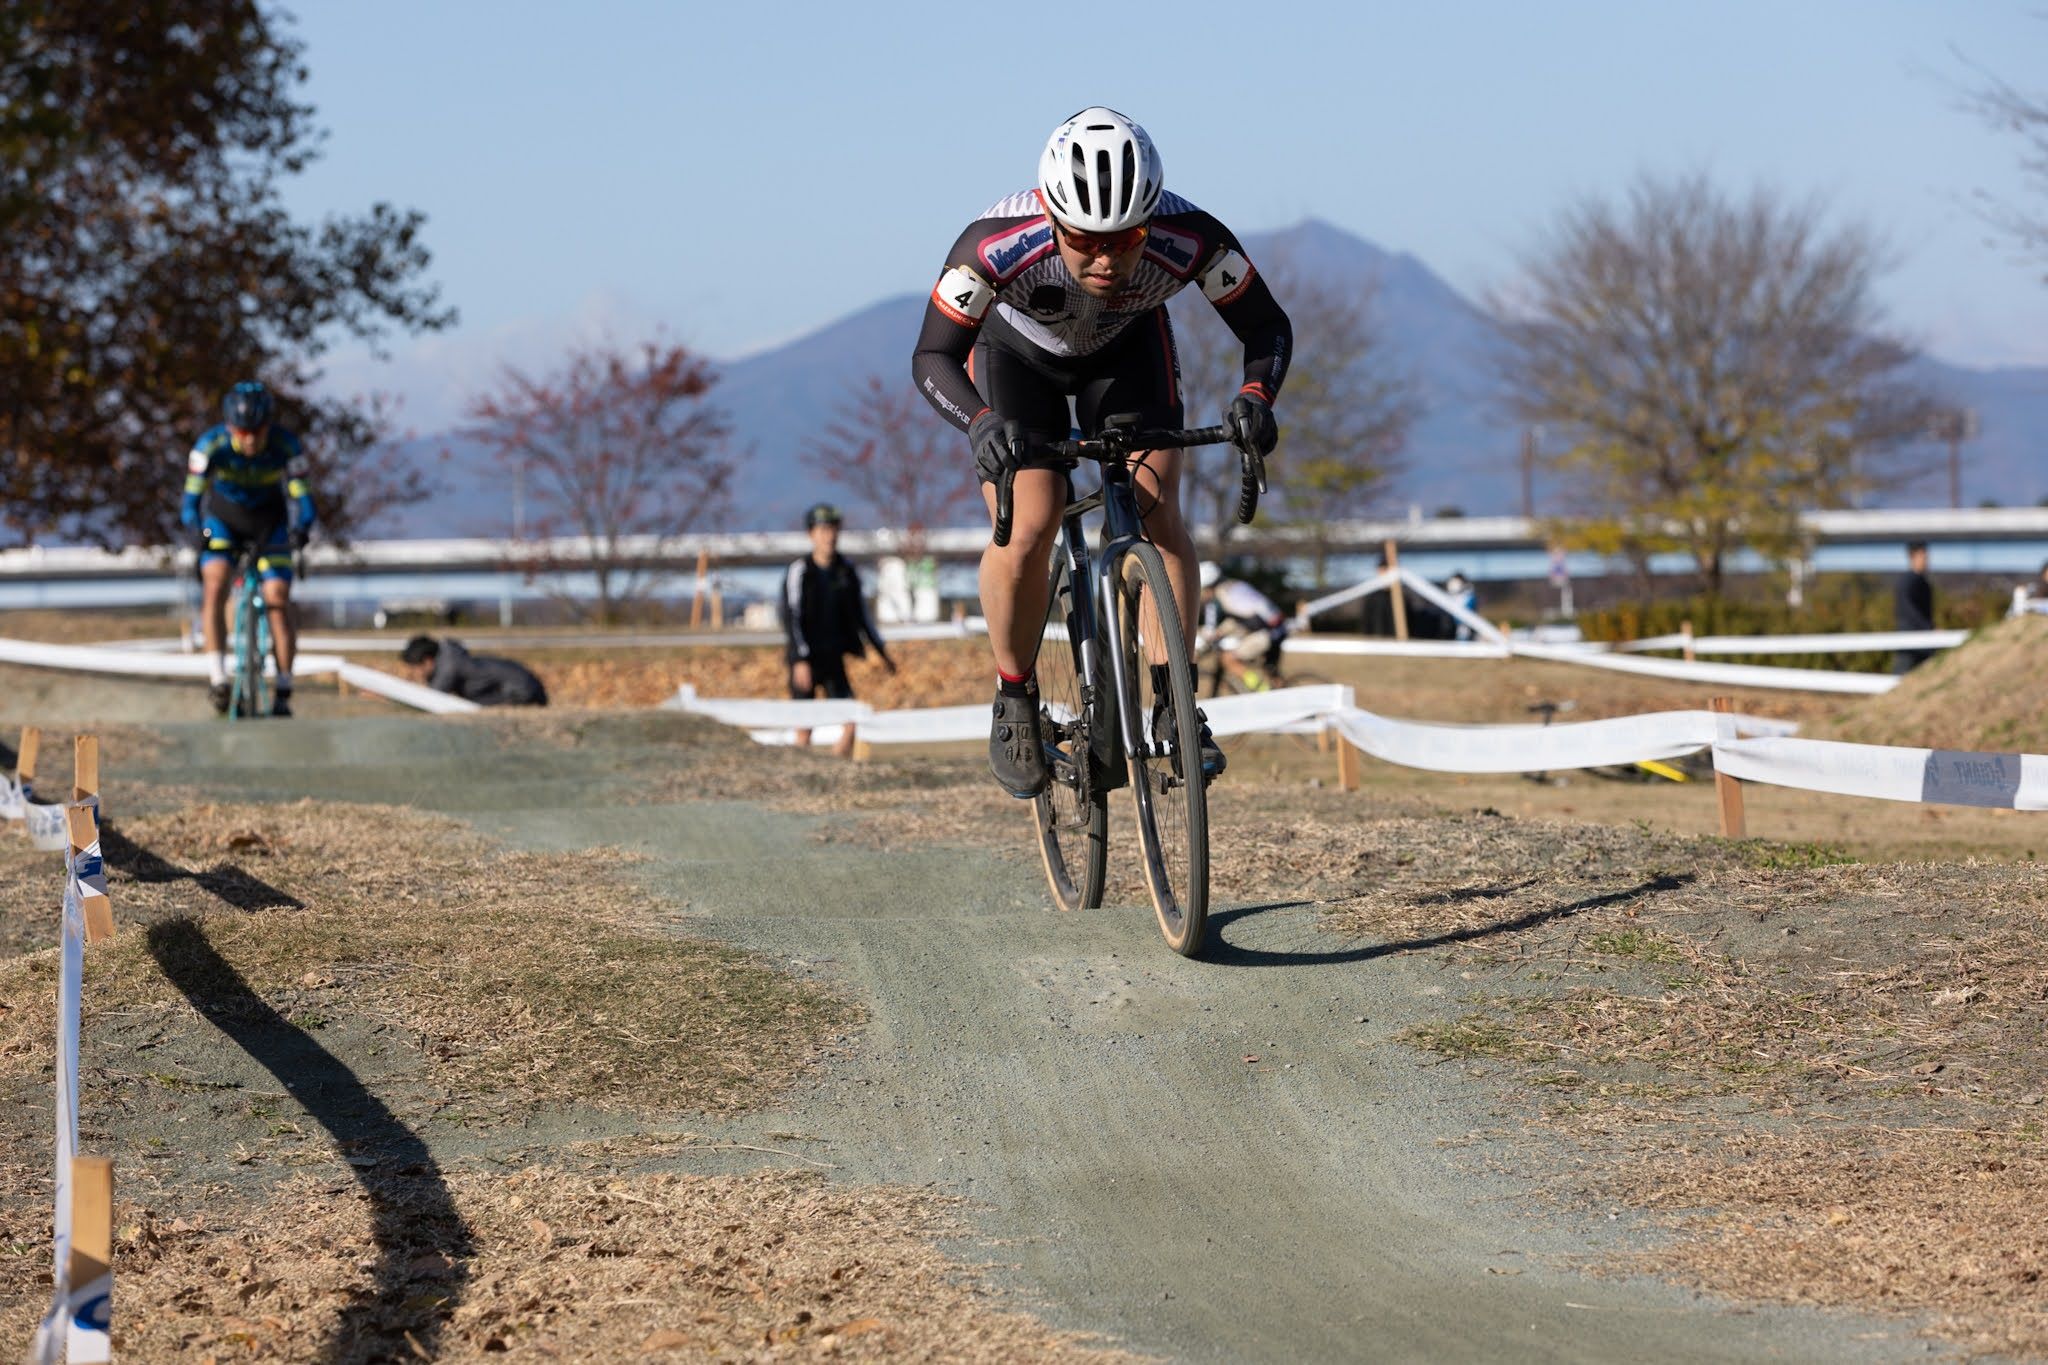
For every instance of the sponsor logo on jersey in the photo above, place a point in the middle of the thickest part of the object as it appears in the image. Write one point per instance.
(1006, 253)
(1173, 248)
(963, 296)
(1226, 278)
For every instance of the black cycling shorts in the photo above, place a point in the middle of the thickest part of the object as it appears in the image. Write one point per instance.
(1138, 372)
(828, 679)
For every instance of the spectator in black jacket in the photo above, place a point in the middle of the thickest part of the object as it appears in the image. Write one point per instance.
(446, 666)
(1913, 606)
(825, 619)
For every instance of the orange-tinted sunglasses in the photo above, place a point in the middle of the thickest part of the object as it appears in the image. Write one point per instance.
(1100, 243)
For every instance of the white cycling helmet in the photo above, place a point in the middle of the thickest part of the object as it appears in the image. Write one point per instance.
(1100, 172)
(1211, 573)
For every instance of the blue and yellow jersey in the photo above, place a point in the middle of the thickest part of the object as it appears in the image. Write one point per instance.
(270, 475)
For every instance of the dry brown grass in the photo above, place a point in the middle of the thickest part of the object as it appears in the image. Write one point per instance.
(567, 1262)
(1988, 694)
(536, 977)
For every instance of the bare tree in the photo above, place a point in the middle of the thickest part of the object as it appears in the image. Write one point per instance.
(1344, 413)
(897, 458)
(2025, 116)
(1716, 365)
(615, 447)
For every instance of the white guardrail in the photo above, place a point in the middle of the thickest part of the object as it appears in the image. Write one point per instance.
(1749, 748)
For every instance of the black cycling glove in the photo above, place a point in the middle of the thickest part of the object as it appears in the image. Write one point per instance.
(995, 452)
(1251, 423)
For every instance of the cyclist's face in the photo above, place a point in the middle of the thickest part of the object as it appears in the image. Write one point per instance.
(248, 442)
(1101, 265)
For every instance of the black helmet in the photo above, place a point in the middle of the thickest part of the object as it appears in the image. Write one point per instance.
(821, 514)
(248, 406)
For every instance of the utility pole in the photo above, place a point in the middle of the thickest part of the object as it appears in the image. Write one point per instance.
(1529, 438)
(1956, 426)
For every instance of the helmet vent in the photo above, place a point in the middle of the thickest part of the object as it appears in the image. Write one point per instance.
(1106, 184)
(1130, 177)
(1081, 179)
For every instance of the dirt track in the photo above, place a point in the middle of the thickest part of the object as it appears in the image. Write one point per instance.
(1207, 1160)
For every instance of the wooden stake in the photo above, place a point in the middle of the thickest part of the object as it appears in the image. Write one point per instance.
(92, 1219)
(1400, 598)
(340, 685)
(85, 768)
(25, 758)
(697, 589)
(1685, 629)
(1728, 789)
(862, 750)
(84, 832)
(1347, 765)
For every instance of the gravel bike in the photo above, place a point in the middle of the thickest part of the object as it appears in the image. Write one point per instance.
(1117, 688)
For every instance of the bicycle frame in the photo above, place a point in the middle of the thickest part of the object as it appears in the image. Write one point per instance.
(1097, 605)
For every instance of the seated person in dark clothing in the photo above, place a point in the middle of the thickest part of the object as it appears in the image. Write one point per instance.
(446, 666)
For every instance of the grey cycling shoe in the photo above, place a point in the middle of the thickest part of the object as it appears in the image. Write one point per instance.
(217, 696)
(1015, 754)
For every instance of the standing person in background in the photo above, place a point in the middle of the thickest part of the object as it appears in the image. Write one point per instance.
(1460, 590)
(1913, 606)
(824, 619)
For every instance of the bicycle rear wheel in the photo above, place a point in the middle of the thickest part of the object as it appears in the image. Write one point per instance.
(1166, 768)
(1073, 810)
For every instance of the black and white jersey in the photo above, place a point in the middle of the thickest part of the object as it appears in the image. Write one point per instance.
(1007, 261)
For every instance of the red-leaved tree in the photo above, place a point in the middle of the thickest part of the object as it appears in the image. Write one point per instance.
(894, 456)
(620, 448)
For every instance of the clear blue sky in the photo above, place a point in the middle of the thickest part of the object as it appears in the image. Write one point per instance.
(742, 174)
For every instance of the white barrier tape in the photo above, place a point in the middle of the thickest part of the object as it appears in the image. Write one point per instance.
(1282, 709)
(1733, 675)
(768, 713)
(403, 690)
(1933, 776)
(75, 1328)
(45, 825)
(143, 663)
(1845, 642)
(1351, 594)
(1451, 607)
(1415, 649)
(1528, 748)
(10, 797)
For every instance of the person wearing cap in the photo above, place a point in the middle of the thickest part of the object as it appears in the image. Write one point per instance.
(825, 619)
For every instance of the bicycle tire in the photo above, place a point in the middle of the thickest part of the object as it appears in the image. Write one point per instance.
(248, 701)
(1072, 813)
(1167, 787)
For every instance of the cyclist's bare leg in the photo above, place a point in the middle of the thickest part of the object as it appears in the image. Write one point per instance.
(1014, 590)
(1158, 479)
(213, 603)
(284, 635)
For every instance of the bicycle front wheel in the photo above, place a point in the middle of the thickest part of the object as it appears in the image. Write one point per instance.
(1073, 811)
(1166, 766)
(249, 664)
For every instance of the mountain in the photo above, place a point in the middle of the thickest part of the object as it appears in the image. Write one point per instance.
(1461, 453)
